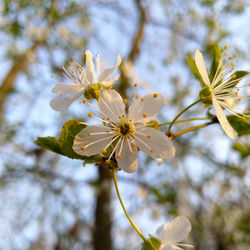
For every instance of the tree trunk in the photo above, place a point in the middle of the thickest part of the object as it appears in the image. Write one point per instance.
(101, 237)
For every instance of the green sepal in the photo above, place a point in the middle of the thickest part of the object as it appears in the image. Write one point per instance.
(243, 149)
(192, 65)
(215, 61)
(151, 244)
(206, 95)
(64, 144)
(240, 125)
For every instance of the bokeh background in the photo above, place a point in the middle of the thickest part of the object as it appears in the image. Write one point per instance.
(50, 202)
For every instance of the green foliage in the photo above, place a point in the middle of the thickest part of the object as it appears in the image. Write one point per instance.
(151, 244)
(49, 143)
(237, 77)
(63, 145)
(215, 61)
(240, 125)
(244, 150)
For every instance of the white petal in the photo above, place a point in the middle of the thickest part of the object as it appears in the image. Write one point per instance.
(201, 67)
(128, 161)
(148, 106)
(108, 72)
(110, 81)
(223, 120)
(158, 142)
(64, 89)
(175, 231)
(99, 141)
(90, 70)
(111, 105)
(62, 103)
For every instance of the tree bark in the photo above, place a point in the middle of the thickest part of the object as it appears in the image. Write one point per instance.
(101, 237)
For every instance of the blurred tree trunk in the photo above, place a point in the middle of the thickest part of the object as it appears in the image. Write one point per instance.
(101, 237)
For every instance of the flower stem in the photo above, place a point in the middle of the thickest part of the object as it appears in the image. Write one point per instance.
(181, 132)
(124, 209)
(186, 120)
(183, 111)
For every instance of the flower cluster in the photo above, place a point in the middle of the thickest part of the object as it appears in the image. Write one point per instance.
(127, 129)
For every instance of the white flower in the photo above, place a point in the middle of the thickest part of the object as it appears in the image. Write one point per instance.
(173, 232)
(81, 79)
(221, 91)
(126, 131)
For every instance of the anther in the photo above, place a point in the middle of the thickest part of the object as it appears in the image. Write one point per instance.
(133, 144)
(89, 134)
(142, 99)
(118, 155)
(132, 152)
(234, 76)
(90, 114)
(109, 87)
(107, 162)
(84, 101)
(78, 122)
(230, 58)
(235, 55)
(149, 135)
(144, 115)
(83, 148)
(152, 150)
(108, 118)
(232, 64)
(155, 122)
(155, 95)
(121, 117)
(125, 101)
(136, 84)
(119, 130)
(79, 70)
(104, 150)
(225, 53)
(225, 47)
(236, 94)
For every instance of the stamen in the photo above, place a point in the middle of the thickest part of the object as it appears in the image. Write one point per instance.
(84, 101)
(142, 99)
(89, 134)
(136, 84)
(125, 101)
(107, 162)
(225, 47)
(90, 114)
(144, 115)
(235, 55)
(152, 151)
(109, 87)
(156, 122)
(78, 122)
(149, 135)
(114, 148)
(133, 144)
(104, 150)
(83, 148)
(118, 155)
(155, 95)
(230, 58)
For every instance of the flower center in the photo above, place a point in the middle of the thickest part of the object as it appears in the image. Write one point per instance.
(125, 128)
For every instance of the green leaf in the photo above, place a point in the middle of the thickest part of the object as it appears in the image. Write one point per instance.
(240, 125)
(64, 144)
(70, 129)
(216, 60)
(237, 76)
(244, 150)
(194, 69)
(50, 143)
(151, 244)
